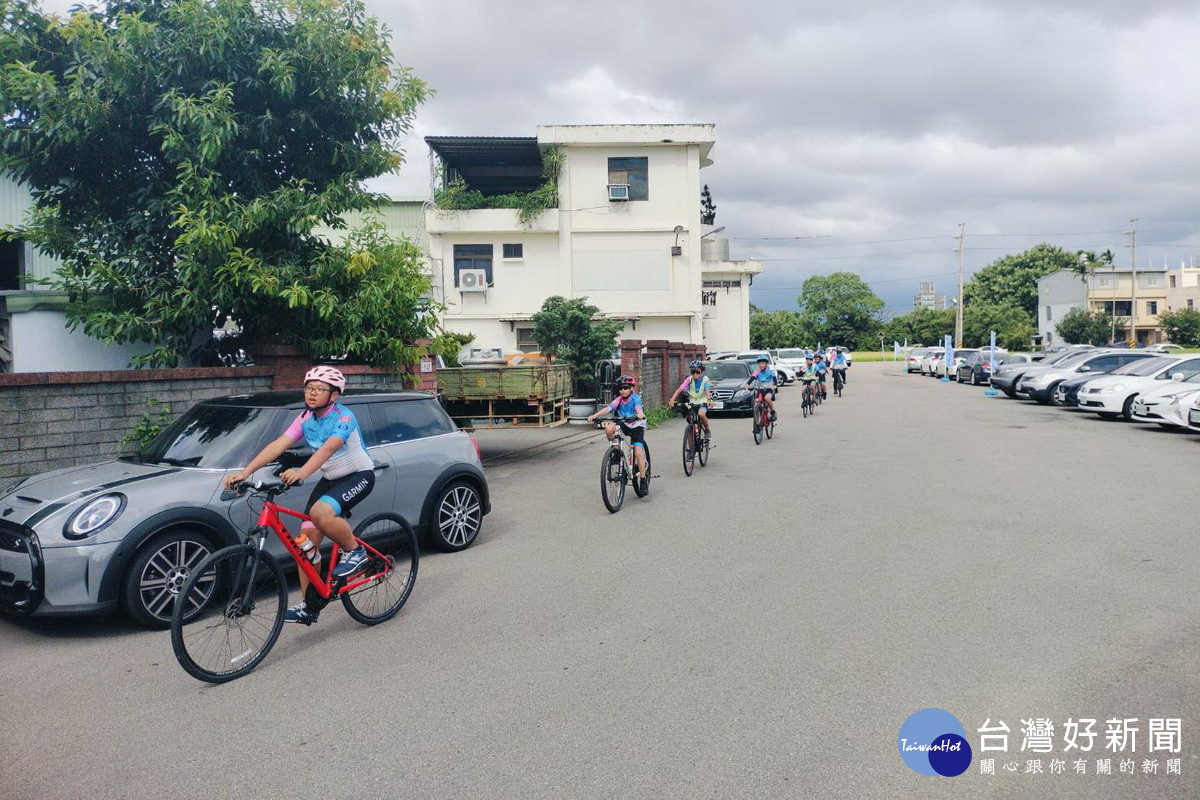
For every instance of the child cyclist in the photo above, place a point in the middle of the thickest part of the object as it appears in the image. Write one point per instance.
(698, 392)
(347, 473)
(630, 416)
(821, 367)
(764, 379)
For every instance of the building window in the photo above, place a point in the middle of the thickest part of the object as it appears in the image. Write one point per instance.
(525, 340)
(633, 172)
(1152, 307)
(1171, 279)
(1106, 283)
(514, 251)
(12, 263)
(1049, 316)
(472, 256)
(1191, 304)
(1153, 282)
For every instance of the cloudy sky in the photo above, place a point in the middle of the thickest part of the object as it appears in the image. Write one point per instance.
(855, 135)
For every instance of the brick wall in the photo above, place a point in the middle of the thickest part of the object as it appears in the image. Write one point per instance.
(51, 420)
(658, 366)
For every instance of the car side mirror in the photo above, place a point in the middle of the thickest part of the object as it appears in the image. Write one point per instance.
(1178, 376)
(1085, 368)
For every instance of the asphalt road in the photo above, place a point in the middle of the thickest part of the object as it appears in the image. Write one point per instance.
(761, 629)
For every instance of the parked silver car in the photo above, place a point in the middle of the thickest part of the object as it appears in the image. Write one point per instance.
(124, 534)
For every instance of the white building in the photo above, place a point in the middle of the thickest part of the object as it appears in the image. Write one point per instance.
(626, 235)
(33, 321)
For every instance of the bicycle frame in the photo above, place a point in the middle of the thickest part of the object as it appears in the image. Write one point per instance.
(269, 520)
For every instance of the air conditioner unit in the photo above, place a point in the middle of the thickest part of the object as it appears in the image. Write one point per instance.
(472, 280)
(618, 191)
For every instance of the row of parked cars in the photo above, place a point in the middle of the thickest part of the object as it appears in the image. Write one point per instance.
(969, 365)
(1159, 385)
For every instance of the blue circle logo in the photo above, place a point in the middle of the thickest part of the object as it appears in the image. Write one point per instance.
(933, 742)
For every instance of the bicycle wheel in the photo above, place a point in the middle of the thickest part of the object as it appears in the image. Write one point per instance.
(612, 480)
(770, 428)
(229, 613)
(392, 569)
(758, 431)
(702, 450)
(689, 450)
(642, 488)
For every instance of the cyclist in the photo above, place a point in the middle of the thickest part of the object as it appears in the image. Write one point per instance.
(347, 473)
(698, 392)
(764, 378)
(821, 367)
(839, 368)
(808, 377)
(631, 417)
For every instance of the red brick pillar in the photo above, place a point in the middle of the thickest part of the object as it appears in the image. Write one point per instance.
(631, 358)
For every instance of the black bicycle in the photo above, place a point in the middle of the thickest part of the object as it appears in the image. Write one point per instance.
(695, 442)
(762, 416)
(839, 380)
(618, 468)
(808, 402)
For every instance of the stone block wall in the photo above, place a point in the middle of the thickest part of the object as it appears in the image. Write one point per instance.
(51, 420)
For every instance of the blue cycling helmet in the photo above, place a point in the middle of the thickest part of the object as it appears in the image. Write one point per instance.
(696, 364)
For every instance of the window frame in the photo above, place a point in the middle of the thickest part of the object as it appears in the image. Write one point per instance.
(638, 190)
(520, 251)
(473, 260)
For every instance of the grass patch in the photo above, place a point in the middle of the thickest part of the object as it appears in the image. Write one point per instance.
(658, 416)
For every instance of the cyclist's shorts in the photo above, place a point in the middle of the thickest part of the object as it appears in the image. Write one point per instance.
(821, 377)
(637, 436)
(768, 392)
(343, 493)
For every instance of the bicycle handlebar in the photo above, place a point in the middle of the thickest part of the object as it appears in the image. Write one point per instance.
(271, 488)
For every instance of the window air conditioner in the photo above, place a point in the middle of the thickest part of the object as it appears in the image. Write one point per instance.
(618, 191)
(472, 280)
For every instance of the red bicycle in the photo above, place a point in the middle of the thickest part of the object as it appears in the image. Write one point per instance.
(762, 417)
(230, 611)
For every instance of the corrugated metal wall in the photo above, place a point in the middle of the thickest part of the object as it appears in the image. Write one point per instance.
(14, 204)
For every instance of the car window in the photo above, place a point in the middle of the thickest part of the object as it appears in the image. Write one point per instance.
(1142, 367)
(1103, 363)
(216, 436)
(406, 420)
(723, 370)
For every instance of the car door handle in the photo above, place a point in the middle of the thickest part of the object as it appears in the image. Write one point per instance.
(379, 465)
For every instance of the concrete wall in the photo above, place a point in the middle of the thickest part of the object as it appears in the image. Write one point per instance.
(41, 342)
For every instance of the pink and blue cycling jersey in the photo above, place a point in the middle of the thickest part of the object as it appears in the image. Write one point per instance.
(337, 421)
(763, 377)
(628, 409)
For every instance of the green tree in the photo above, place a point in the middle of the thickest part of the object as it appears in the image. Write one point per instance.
(1182, 326)
(920, 326)
(839, 309)
(1014, 328)
(708, 209)
(775, 329)
(569, 330)
(1012, 280)
(1079, 326)
(180, 153)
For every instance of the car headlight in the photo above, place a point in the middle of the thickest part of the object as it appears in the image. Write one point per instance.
(95, 516)
(1116, 387)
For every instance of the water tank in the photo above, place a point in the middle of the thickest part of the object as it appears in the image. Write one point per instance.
(714, 249)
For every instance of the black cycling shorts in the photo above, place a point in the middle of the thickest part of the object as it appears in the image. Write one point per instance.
(342, 493)
(821, 377)
(636, 435)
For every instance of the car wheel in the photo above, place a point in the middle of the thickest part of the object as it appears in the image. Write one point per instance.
(1010, 392)
(456, 517)
(158, 572)
(1127, 408)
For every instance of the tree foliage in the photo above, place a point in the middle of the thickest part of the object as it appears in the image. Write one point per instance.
(840, 309)
(1014, 328)
(708, 209)
(568, 330)
(1182, 326)
(1012, 280)
(181, 152)
(925, 326)
(775, 329)
(1079, 326)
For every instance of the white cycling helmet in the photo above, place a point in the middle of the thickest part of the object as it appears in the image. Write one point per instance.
(330, 375)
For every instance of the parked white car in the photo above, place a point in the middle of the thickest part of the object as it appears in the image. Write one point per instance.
(930, 361)
(1112, 395)
(1163, 405)
(786, 375)
(946, 368)
(912, 361)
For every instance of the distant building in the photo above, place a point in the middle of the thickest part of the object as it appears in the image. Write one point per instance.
(1110, 291)
(927, 298)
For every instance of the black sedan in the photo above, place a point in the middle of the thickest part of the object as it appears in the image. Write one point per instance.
(728, 379)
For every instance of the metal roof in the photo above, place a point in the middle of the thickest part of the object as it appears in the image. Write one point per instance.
(491, 164)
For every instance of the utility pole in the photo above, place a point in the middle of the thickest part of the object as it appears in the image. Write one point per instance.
(958, 310)
(1132, 232)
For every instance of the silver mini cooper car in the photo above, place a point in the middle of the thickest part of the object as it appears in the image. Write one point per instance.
(124, 534)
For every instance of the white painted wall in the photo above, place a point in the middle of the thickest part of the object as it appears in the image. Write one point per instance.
(41, 342)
